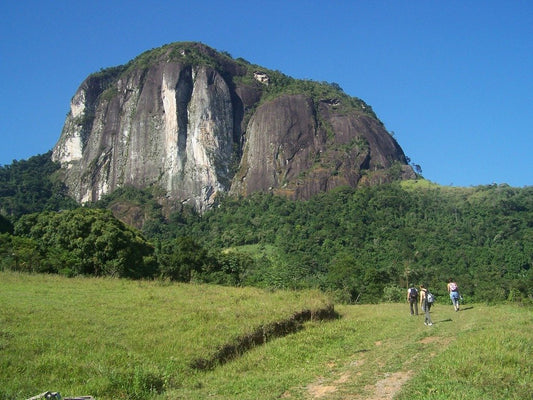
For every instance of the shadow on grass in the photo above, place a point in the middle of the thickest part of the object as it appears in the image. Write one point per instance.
(263, 334)
(362, 351)
(445, 320)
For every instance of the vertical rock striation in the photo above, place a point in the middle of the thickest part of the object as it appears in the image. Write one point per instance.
(195, 123)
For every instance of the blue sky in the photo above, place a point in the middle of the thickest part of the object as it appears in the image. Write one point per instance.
(453, 80)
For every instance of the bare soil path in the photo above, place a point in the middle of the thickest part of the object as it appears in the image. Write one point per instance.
(353, 382)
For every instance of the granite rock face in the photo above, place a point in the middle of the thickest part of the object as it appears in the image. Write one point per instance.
(196, 123)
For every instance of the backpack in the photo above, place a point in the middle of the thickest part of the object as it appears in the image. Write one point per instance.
(430, 298)
(453, 287)
(413, 293)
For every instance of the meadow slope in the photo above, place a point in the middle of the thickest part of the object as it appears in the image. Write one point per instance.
(117, 339)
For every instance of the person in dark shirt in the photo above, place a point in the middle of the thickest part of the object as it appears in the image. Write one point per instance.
(412, 299)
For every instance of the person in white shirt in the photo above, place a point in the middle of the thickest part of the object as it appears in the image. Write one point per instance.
(453, 289)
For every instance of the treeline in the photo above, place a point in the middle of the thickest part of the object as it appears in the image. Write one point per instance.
(362, 245)
(32, 185)
(367, 244)
(90, 241)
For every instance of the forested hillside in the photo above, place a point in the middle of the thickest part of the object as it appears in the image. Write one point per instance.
(29, 186)
(365, 244)
(362, 245)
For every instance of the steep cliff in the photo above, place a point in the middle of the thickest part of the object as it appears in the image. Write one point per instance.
(195, 122)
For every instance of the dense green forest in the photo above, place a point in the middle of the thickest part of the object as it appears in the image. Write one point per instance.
(366, 244)
(32, 185)
(361, 245)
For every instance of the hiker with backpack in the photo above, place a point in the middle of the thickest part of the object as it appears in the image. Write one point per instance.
(426, 301)
(453, 289)
(412, 298)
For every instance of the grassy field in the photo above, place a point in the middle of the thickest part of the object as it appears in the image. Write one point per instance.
(117, 339)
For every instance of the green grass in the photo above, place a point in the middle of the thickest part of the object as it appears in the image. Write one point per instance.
(121, 339)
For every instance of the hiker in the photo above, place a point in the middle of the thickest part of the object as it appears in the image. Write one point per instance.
(453, 290)
(426, 300)
(412, 298)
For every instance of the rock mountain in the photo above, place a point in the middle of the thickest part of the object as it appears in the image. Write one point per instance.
(194, 122)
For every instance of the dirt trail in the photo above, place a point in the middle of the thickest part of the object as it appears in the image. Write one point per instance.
(344, 381)
(387, 387)
(384, 389)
